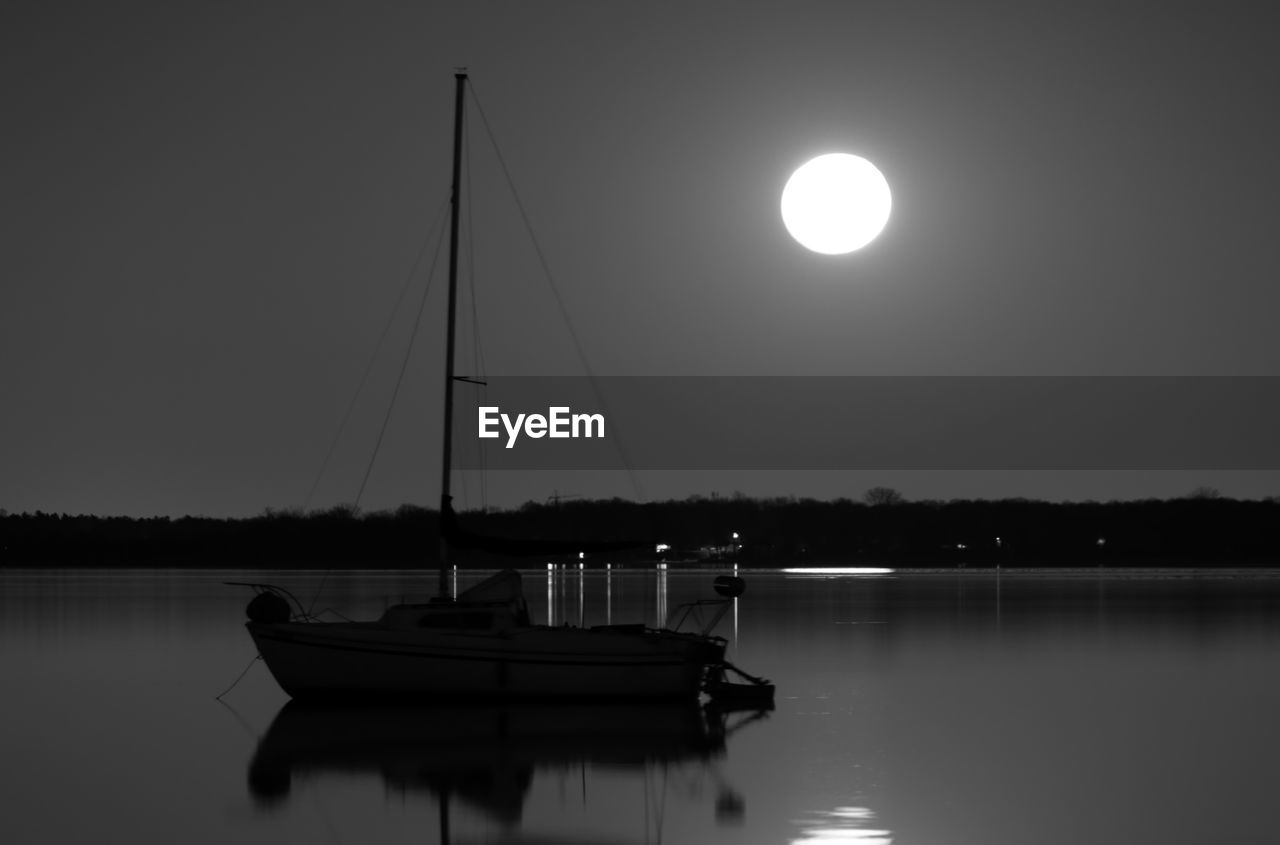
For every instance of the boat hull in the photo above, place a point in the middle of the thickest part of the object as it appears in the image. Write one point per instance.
(356, 661)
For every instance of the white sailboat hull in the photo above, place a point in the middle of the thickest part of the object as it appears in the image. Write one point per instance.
(366, 660)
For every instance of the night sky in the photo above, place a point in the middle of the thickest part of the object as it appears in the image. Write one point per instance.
(210, 209)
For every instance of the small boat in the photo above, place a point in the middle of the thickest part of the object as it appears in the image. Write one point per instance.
(481, 644)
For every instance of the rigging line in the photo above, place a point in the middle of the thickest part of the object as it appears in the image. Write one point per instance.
(464, 477)
(426, 290)
(404, 365)
(477, 346)
(466, 236)
(377, 350)
(546, 271)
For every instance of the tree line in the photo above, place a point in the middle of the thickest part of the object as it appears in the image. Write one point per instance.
(1203, 529)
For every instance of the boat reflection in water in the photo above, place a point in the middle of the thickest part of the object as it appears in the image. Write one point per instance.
(485, 756)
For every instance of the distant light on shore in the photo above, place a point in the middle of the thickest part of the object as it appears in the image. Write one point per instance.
(839, 570)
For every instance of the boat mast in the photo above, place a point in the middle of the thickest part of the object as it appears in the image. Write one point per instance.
(455, 214)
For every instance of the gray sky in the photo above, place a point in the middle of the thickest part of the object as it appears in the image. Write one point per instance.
(209, 210)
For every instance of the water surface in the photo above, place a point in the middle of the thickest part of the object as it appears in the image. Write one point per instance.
(1075, 706)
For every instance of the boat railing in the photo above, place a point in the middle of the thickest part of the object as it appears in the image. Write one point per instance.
(728, 587)
(703, 613)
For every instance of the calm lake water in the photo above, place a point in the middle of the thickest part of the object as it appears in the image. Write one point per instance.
(948, 709)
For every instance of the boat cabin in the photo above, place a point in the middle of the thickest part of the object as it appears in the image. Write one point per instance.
(495, 604)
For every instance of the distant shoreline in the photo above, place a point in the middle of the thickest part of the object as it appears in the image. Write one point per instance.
(1153, 572)
(1205, 532)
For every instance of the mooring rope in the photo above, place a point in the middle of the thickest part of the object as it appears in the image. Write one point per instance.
(255, 659)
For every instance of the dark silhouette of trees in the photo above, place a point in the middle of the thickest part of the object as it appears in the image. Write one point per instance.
(884, 530)
(883, 496)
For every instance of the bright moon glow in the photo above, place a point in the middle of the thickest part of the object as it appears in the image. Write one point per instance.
(836, 203)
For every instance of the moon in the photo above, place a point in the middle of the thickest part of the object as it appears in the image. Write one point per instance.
(836, 203)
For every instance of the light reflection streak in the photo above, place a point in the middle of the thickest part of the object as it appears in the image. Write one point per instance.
(735, 611)
(842, 825)
(662, 596)
(551, 577)
(839, 570)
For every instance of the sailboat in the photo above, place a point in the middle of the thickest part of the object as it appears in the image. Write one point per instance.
(481, 644)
